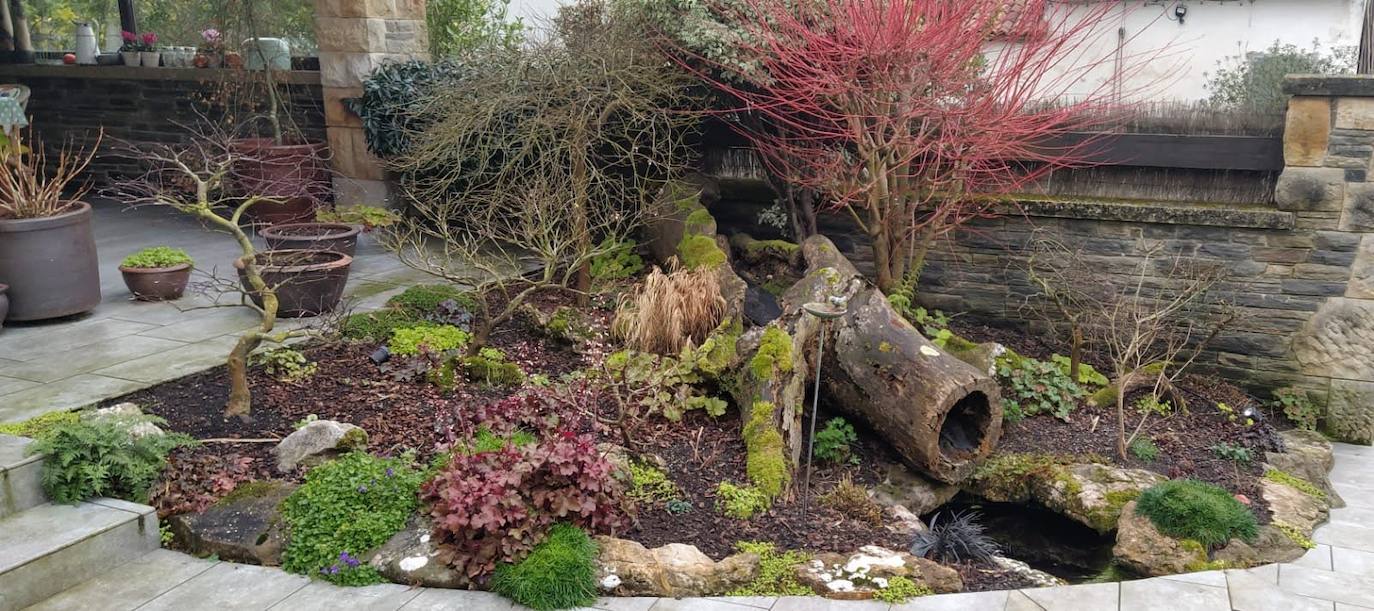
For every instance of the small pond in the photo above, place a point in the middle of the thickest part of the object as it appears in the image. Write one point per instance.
(1039, 537)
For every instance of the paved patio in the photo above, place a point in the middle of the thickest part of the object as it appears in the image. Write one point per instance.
(124, 345)
(1336, 576)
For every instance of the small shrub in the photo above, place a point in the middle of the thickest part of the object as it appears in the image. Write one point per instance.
(370, 217)
(493, 507)
(345, 508)
(1298, 407)
(559, 573)
(1191, 509)
(648, 484)
(1232, 452)
(1144, 449)
(376, 326)
(957, 538)
(740, 502)
(104, 457)
(777, 571)
(663, 385)
(852, 501)
(38, 427)
(287, 364)
(407, 341)
(157, 257)
(833, 441)
(1036, 387)
(1295, 482)
(422, 300)
(490, 366)
(900, 589)
(617, 261)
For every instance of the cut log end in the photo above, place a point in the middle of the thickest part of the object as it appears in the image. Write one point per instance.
(969, 431)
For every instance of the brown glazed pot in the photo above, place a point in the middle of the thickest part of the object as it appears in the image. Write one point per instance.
(308, 282)
(50, 264)
(295, 173)
(338, 237)
(157, 283)
(4, 304)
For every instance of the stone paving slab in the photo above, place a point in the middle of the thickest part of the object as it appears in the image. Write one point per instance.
(1073, 598)
(43, 341)
(230, 586)
(174, 363)
(1328, 585)
(12, 385)
(1172, 595)
(634, 603)
(130, 585)
(322, 596)
(1250, 593)
(970, 601)
(68, 394)
(87, 359)
(446, 600)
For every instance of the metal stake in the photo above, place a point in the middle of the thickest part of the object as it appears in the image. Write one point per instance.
(815, 403)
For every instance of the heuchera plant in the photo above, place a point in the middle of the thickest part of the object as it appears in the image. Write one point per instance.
(495, 506)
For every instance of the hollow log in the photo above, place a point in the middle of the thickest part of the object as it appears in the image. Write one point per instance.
(940, 414)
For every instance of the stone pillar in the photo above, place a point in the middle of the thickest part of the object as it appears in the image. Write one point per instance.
(1327, 184)
(355, 37)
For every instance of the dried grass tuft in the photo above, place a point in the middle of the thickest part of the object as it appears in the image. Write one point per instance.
(668, 312)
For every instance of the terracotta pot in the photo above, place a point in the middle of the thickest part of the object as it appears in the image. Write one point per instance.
(50, 264)
(295, 173)
(157, 283)
(307, 282)
(338, 237)
(4, 304)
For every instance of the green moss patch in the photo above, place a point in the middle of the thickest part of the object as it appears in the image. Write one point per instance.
(423, 299)
(377, 326)
(698, 251)
(740, 502)
(774, 354)
(1190, 509)
(766, 460)
(1295, 482)
(559, 573)
(38, 427)
(777, 571)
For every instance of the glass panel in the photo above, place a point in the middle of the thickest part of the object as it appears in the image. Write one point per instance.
(180, 22)
(51, 27)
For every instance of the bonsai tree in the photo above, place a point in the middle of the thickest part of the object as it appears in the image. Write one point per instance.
(191, 179)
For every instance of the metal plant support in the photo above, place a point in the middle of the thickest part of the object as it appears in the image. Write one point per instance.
(825, 312)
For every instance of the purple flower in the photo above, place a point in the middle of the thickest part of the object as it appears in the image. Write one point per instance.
(362, 489)
(331, 570)
(389, 472)
(348, 560)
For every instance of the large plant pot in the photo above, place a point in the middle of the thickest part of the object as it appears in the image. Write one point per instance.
(4, 304)
(307, 282)
(294, 173)
(50, 265)
(157, 283)
(338, 237)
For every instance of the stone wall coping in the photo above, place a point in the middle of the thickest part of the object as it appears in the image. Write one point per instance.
(1349, 85)
(135, 73)
(1166, 213)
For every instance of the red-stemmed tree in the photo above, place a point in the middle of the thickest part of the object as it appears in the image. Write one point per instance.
(913, 116)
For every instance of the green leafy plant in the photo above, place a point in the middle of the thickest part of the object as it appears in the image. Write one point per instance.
(653, 384)
(649, 484)
(391, 93)
(1036, 387)
(833, 441)
(617, 261)
(1232, 452)
(677, 507)
(1295, 535)
(458, 26)
(1295, 482)
(1191, 509)
(376, 326)
(1144, 448)
(1254, 80)
(287, 364)
(1150, 404)
(407, 341)
(740, 502)
(423, 300)
(345, 508)
(157, 257)
(39, 426)
(900, 589)
(1087, 376)
(303, 422)
(490, 366)
(1232, 416)
(106, 456)
(1298, 407)
(369, 217)
(559, 573)
(777, 571)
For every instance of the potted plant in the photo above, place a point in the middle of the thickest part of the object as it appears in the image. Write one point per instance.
(147, 50)
(159, 273)
(368, 217)
(47, 250)
(211, 49)
(337, 237)
(306, 282)
(129, 50)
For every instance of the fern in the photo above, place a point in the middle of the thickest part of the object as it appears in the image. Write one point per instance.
(104, 457)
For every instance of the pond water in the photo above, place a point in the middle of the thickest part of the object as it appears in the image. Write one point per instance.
(1039, 537)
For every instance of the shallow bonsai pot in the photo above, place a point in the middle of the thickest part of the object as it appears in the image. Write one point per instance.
(4, 304)
(307, 282)
(294, 173)
(338, 237)
(50, 264)
(157, 283)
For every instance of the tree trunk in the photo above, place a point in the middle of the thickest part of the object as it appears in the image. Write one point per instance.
(240, 402)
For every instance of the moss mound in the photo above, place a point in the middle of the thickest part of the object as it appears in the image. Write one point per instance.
(1190, 509)
(559, 574)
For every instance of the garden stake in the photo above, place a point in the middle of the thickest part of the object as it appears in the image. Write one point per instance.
(825, 312)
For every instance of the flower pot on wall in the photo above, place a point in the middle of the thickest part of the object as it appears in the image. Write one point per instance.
(131, 58)
(296, 174)
(307, 282)
(150, 59)
(157, 283)
(50, 264)
(337, 237)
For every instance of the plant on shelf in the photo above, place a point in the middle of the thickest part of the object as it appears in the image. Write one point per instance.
(157, 273)
(48, 255)
(128, 50)
(1190, 509)
(117, 455)
(210, 53)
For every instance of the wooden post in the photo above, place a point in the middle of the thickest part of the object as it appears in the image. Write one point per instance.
(128, 20)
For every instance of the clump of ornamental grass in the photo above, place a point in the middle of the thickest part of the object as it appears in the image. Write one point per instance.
(559, 573)
(670, 311)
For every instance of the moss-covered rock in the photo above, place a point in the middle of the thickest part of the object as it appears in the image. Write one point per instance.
(1092, 494)
(700, 251)
(774, 354)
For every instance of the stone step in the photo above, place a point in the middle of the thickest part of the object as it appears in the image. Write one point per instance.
(49, 548)
(20, 489)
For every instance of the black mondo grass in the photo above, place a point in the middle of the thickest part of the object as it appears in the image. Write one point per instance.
(959, 537)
